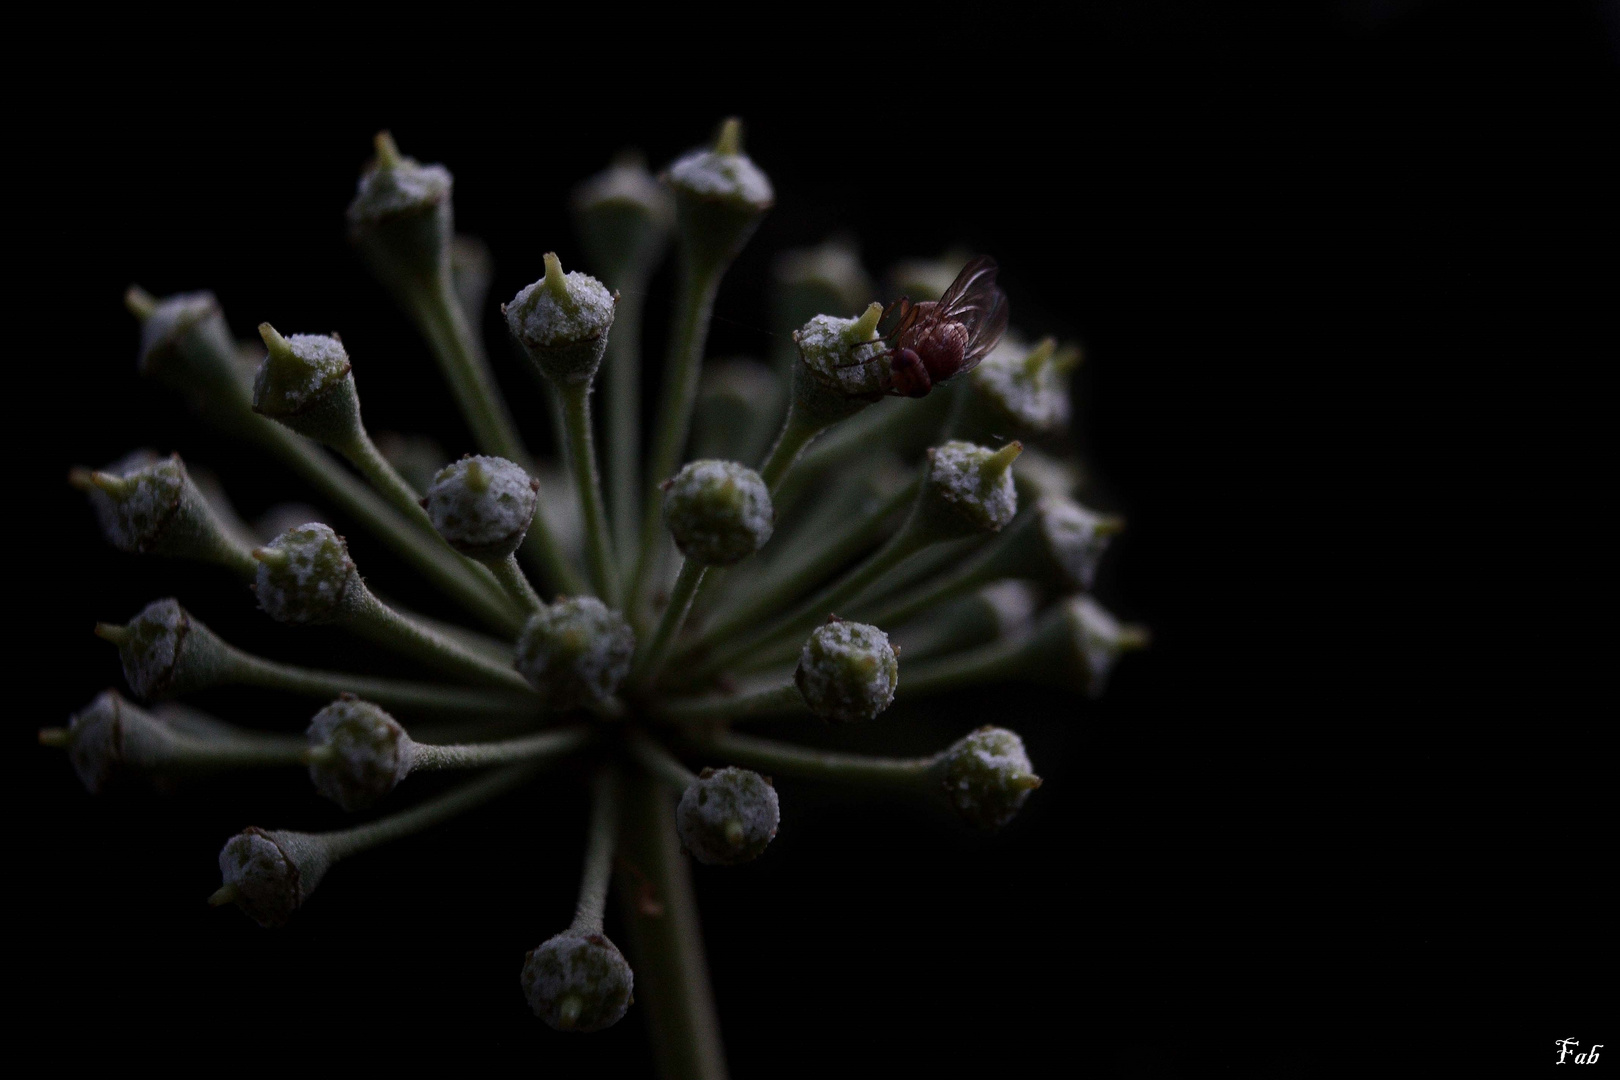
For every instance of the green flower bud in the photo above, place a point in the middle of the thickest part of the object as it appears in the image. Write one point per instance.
(165, 652)
(624, 217)
(187, 346)
(578, 982)
(811, 281)
(483, 506)
(1076, 645)
(149, 505)
(358, 753)
(970, 488)
(270, 875)
(1037, 475)
(720, 196)
(847, 671)
(402, 220)
(844, 354)
(718, 511)
(562, 322)
(305, 383)
(728, 816)
(1075, 538)
(1024, 387)
(576, 652)
(305, 575)
(987, 776)
(108, 735)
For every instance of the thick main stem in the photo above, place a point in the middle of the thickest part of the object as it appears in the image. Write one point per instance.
(576, 410)
(699, 282)
(672, 976)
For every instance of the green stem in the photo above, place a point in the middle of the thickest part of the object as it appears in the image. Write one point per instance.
(661, 763)
(245, 669)
(905, 543)
(774, 700)
(991, 663)
(581, 447)
(466, 368)
(545, 747)
(430, 558)
(624, 417)
(672, 977)
(599, 844)
(516, 584)
(373, 619)
(652, 658)
(340, 845)
(700, 280)
(789, 760)
(795, 434)
(778, 589)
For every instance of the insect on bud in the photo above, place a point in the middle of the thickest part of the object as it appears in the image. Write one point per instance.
(847, 671)
(270, 875)
(401, 219)
(720, 196)
(483, 506)
(357, 752)
(987, 776)
(718, 511)
(562, 322)
(578, 982)
(1026, 388)
(149, 505)
(970, 488)
(728, 816)
(305, 575)
(576, 652)
(107, 735)
(623, 216)
(305, 383)
(166, 652)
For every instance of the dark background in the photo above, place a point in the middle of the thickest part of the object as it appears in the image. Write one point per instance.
(1336, 811)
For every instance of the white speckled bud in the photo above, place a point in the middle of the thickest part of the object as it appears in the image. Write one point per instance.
(718, 511)
(187, 345)
(483, 506)
(562, 322)
(270, 875)
(1075, 538)
(847, 671)
(136, 497)
(305, 575)
(974, 482)
(111, 733)
(358, 753)
(576, 652)
(165, 651)
(720, 196)
(401, 219)
(728, 816)
(1099, 641)
(987, 776)
(578, 982)
(305, 382)
(844, 355)
(1025, 386)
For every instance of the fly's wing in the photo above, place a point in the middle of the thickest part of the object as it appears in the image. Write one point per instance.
(897, 317)
(974, 301)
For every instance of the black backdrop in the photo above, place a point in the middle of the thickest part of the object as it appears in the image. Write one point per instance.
(1278, 841)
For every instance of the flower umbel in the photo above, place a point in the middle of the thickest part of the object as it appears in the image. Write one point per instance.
(693, 595)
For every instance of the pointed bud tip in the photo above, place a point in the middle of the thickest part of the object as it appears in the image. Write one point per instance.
(78, 478)
(568, 1011)
(140, 303)
(736, 835)
(225, 894)
(729, 140)
(272, 340)
(107, 482)
(1000, 461)
(1040, 355)
(388, 155)
(112, 632)
(864, 327)
(57, 737)
(1133, 638)
(1066, 359)
(554, 279)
